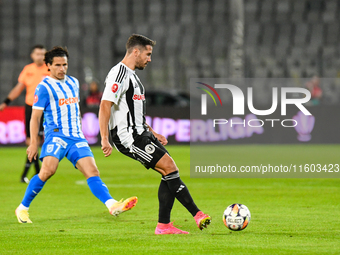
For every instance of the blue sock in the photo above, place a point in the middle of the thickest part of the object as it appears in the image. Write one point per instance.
(99, 188)
(32, 190)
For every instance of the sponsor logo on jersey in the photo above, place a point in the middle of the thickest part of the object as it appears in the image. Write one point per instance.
(35, 99)
(82, 144)
(138, 97)
(60, 141)
(67, 101)
(114, 88)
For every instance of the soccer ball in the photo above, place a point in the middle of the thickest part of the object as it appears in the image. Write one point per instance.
(236, 217)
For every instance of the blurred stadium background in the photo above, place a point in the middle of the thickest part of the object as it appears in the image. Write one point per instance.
(195, 39)
(295, 39)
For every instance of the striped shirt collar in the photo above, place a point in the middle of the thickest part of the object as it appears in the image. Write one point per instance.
(128, 68)
(56, 80)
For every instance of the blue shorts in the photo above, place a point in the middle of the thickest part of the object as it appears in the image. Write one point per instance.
(59, 147)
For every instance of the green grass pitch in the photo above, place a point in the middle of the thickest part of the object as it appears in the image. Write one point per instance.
(289, 216)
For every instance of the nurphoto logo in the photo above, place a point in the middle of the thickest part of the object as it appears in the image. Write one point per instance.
(238, 104)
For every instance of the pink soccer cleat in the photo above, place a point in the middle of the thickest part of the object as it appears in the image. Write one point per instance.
(168, 229)
(202, 220)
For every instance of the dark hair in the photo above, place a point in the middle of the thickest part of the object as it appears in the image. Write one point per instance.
(38, 46)
(57, 51)
(135, 40)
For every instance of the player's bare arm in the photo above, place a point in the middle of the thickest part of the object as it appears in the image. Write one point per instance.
(32, 149)
(15, 92)
(104, 117)
(159, 137)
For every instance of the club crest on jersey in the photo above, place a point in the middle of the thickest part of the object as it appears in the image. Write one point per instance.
(114, 88)
(68, 101)
(50, 148)
(35, 99)
(149, 149)
(138, 97)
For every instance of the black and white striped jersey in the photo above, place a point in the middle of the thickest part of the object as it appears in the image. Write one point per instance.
(125, 90)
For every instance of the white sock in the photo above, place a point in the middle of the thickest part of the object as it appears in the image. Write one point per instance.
(22, 207)
(109, 203)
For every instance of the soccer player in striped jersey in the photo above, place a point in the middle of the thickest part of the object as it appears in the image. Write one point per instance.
(122, 109)
(57, 96)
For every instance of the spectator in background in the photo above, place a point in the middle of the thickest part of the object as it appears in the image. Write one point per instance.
(94, 97)
(315, 90)
(29, 78)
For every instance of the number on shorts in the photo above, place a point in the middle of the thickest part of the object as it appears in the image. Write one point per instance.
(58, 145)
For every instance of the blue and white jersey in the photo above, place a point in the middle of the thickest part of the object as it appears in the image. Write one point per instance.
(59, 99)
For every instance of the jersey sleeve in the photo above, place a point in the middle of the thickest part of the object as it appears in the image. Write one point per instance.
(113, 89)
(41, 98)
(22, 76)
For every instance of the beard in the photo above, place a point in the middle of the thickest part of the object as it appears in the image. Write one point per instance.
(140, 67)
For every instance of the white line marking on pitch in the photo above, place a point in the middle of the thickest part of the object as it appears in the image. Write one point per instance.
(82, 182)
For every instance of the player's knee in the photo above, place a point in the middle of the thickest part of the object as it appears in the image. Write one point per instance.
(166, 165)
(95, 172)
(169, 171)
(169, 167)
(46, 173)
(91, 171)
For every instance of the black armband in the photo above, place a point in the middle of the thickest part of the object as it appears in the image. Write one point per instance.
(7, 101)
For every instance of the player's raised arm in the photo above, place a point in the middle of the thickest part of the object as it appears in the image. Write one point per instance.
(15, 92)
(32, 150)
(104, 117)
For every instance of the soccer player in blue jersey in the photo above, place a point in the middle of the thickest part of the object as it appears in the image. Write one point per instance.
(57, 96)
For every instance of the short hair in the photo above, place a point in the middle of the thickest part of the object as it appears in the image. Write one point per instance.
(138, 40)
(57, 51)
(37, 46)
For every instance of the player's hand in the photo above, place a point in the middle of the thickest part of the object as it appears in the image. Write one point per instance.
(106, 147)
(161, 139)
(32, 152)
(2, 106)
